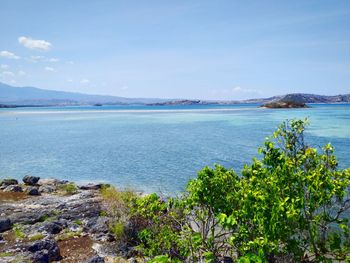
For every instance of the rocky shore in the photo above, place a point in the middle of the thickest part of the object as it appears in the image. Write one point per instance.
(48, 220)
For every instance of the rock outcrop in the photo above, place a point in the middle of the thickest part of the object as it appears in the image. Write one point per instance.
(47, 223)
(30, 180)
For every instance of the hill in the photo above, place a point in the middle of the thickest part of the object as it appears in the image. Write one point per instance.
(25, 96)
(10, 95)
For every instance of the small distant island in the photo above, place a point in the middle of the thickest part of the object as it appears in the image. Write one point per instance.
(281, 104)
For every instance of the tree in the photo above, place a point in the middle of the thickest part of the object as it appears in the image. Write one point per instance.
(293, 202)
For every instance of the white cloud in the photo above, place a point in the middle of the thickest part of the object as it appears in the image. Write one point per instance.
(70, 62)
(53, 60)
(35, 44)
(84, 81)
(8, 54)
(50, 69)
(21, 73)
(4, 66)
(69, 80)
(8, 73)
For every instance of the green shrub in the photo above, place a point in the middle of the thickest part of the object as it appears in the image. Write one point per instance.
(69, 188)
(36, 237)
(18, 231)
(290, 206)
(293, 202)
(5, 254)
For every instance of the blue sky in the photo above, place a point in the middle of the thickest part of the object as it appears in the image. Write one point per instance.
(177, 49)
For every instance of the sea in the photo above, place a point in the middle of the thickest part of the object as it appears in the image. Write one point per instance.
(152, 148)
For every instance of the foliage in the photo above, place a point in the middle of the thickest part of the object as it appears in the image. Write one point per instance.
(69, 188)
(36, 237)
(292, 202)
(159, 224)
(290, 206)
(117, 207)
(5, 254)
(67, 234)
(18, 231)
(209, 195)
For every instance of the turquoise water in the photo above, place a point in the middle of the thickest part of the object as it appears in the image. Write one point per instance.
(151, 148)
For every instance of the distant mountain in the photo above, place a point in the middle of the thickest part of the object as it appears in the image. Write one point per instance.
(10, 95)
(24, 96)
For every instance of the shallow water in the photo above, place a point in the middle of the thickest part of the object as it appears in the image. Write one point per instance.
(151, 148)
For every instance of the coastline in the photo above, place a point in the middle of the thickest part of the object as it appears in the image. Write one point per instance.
(45, 220)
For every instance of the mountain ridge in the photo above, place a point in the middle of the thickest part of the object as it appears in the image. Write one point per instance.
(24, 96)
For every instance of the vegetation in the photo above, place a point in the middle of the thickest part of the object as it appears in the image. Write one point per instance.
(5, 254)
(36, 237)
(69, 189)
(67, 234)
(18, 231)
(290, 206)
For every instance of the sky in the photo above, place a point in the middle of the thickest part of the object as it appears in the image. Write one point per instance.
(177, 49)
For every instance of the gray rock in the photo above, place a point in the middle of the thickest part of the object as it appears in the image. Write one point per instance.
(1, 237)
(52, 227)
(95, 259)
(5, 224)
(40, 257)
(28, 216)
(30, 180)
(97, 225)
(32, 191)
(46, 247)
(132, 260)
(90, 186)
(51, 181)
(13, 188)
(47, 189)
(6, 182)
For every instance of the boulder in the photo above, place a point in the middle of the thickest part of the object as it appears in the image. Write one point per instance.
(13, 188)
(40, 257)
(97, 225)
(47, 247)
(51, 181)
(90, 186)
(47, 189)
(30, 180)
(7, 182)
(52, 228)
(5, 224)
(95, 259)
(32, 191)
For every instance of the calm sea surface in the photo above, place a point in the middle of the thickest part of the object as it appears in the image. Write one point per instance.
(151, 148)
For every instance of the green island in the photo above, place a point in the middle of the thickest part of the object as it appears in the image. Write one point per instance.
(292, 205)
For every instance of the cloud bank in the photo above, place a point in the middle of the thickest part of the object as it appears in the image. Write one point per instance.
(8, 54)
(35, 44)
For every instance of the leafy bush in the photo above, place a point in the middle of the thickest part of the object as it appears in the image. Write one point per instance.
(36, 237)
(290, 206)
(18, 231)
(69, 188)
(292, 203)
